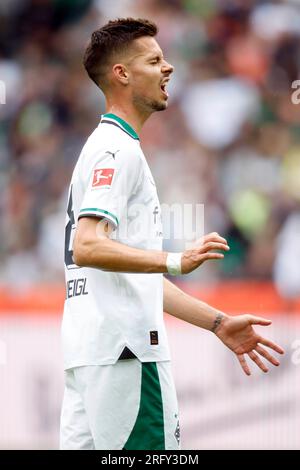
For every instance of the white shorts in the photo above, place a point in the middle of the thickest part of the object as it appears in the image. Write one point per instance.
(129, 405)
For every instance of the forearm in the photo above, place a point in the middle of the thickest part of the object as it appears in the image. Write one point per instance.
(185, 307)
(94, 248)
(110, 255)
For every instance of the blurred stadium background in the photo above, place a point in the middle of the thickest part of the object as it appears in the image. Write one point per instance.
(230, 140)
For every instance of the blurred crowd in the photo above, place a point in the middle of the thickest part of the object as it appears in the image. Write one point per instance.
(230, 139)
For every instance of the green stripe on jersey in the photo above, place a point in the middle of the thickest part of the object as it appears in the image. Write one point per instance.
(148, 432)
(123, 123)
(102, 211)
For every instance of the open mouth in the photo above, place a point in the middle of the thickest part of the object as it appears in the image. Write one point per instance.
(163, 88)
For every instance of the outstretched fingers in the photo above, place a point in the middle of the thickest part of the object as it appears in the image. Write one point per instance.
(264, 353)
(270, 344)
(243, 364)
(255, 358)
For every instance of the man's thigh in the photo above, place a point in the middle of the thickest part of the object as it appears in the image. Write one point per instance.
(75, 431)
(129, 405)
(111, 396)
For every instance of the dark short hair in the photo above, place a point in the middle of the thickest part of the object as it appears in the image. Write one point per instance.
(111, 39)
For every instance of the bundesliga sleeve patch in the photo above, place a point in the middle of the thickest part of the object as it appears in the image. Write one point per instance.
(102, 177)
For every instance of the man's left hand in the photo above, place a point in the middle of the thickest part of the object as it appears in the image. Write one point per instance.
(237, 334)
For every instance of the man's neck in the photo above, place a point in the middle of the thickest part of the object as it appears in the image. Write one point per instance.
(129, 114)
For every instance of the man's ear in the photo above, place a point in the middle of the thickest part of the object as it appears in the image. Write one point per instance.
(121, 73)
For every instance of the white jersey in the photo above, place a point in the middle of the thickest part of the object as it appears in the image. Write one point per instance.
(108, 314)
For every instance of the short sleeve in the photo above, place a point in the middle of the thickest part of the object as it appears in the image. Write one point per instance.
(109, 180)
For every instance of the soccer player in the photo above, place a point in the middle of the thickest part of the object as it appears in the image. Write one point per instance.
(119, 390)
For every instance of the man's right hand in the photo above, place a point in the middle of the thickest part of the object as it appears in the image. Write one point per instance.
(202, 251)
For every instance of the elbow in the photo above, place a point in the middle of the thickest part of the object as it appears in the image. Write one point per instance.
(78, 257)
(86, 252)
(81, 253)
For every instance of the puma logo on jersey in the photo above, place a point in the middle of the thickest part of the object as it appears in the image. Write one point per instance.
(113, 154)
(102, 177)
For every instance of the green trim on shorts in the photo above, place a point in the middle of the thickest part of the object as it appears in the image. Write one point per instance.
(148, 432)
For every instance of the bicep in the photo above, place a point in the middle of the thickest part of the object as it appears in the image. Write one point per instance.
(91, 228)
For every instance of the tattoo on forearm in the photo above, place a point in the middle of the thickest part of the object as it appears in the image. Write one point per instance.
(218, 319)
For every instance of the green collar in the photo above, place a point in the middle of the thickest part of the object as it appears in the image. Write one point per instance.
(124, 125)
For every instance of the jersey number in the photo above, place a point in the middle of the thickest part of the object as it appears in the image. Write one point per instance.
(68, 232)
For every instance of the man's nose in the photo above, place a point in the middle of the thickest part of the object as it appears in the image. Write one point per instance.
(168, 67)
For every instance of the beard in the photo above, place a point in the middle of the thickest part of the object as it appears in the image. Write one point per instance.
(149, 105)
